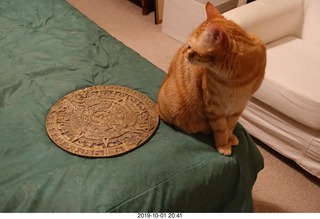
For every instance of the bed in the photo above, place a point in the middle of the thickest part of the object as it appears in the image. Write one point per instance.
(48, 50)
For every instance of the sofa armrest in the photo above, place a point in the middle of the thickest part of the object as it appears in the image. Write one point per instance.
(270, 19)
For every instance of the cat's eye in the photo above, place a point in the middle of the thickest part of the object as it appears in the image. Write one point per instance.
(189, 47)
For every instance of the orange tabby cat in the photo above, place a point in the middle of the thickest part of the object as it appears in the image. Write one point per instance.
(211, 79)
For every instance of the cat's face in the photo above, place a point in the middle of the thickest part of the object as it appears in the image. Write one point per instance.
(206, 39)
(203, 43)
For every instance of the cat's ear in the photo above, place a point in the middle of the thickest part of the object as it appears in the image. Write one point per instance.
(211, 11)
(214, 33)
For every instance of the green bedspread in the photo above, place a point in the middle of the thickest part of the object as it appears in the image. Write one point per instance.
(49, 49)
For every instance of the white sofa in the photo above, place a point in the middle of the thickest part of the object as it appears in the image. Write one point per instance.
(285, 112)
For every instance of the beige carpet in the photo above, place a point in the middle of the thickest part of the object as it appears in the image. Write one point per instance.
(281, 186)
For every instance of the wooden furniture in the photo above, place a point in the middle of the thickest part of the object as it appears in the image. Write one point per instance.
(146, 5)
(149, 6)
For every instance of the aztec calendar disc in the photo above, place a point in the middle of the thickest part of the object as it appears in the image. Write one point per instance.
(102, 121)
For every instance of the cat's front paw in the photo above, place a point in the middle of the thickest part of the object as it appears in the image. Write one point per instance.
(224, 149)
(233, 140)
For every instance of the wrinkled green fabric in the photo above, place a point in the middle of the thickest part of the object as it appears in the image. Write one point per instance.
(49, 49)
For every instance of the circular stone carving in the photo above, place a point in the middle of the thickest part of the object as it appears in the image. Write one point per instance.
(102, 121)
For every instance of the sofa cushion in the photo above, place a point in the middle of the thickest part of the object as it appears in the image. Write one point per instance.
(311, 30)
(270, 19)
(292, 80)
